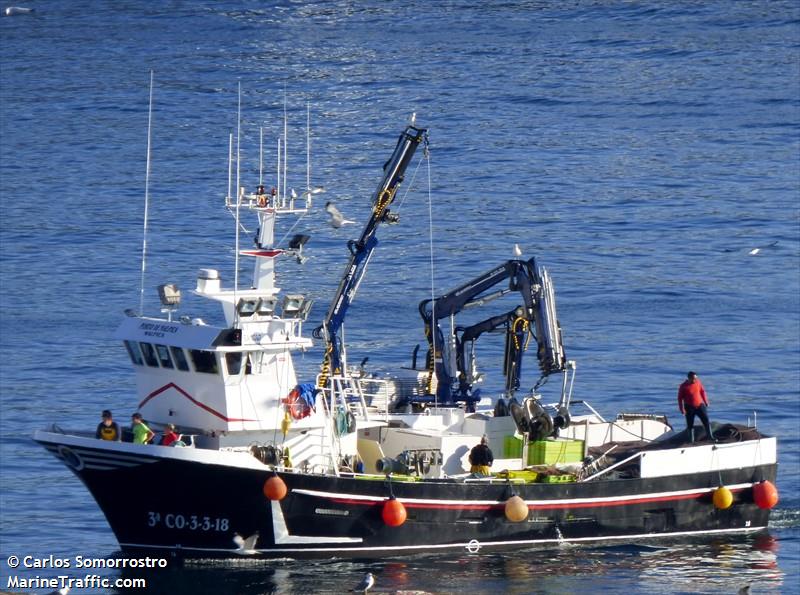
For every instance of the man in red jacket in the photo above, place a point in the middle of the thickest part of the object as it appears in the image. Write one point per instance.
(692, 401)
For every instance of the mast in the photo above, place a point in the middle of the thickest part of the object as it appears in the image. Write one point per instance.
(308, 153)
(146, 196)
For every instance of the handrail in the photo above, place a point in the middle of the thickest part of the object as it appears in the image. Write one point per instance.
(614, 466)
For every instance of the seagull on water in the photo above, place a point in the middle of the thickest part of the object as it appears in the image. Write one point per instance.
(366, 583)
(13, 11)
(337, 219)
(245, 547)
(755, 251)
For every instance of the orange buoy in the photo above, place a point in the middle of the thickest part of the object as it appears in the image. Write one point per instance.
(393, 513)
(765, 495)
(516, 509)
(275, 488)
(723, 498)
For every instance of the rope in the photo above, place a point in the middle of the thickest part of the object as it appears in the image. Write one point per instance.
(426, 153)
(325, 368)
(413, 177)
(514, 331)
(286, 235)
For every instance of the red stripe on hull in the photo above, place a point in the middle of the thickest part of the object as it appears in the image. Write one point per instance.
(549, 506)
(212, 411)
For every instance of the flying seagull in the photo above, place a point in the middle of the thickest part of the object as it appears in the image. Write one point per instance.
(337, 219)
(245, 547)
(366, 583)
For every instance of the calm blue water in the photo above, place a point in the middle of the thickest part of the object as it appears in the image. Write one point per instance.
(640, 150)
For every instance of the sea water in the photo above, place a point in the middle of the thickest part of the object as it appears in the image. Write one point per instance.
(646, 153)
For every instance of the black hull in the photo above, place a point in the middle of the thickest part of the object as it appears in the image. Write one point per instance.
(193, 509)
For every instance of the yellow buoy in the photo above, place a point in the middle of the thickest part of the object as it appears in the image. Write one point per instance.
(516, 509)
(723, 498)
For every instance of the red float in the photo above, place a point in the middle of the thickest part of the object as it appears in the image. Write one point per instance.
(275, 488)
(393, 513)
(765, 495)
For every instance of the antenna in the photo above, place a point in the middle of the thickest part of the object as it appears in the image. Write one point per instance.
(278, 197)
(285, 145)
(146, 195)
(308, 154)
(230, 172)
(238, 201)
(261, 156)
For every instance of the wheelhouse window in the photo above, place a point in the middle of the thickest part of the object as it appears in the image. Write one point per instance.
(149, 353)
(134, 353)
(163, 356)
(179, 357)
(234, 362)
(204, 361)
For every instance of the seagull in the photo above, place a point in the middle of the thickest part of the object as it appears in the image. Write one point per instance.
(12, 11)
(517, 250)
(292, 193)
(315, 190)
(755, 251)
(413, 119)
(337, 219)
(246, 547)
(366, 583)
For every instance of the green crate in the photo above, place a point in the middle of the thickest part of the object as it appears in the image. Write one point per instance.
(512, 447)
(557, 479)
(544, 452)
(550, 452)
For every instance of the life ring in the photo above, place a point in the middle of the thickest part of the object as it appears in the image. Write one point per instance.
(296, 406)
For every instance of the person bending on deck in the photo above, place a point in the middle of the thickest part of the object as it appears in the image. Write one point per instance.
(141, 433)
(692, 401)
(481, 458)
(108, 428)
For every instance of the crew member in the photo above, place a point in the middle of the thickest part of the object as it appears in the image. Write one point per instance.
(141, 433)
(692, 401)
(481, 458)
(108, 428)
(170, 435)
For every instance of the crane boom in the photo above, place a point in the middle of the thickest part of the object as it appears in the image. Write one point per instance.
(361, 250)
(536, 314)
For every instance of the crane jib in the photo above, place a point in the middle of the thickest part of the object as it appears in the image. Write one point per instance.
(360, 251)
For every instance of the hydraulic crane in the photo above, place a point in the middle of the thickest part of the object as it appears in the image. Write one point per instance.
(451, 355)
(361, 250)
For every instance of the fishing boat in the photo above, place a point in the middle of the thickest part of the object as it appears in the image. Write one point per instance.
(361, 463)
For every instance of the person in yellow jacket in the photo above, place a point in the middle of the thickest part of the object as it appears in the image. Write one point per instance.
(108, 428)
(481, 458)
